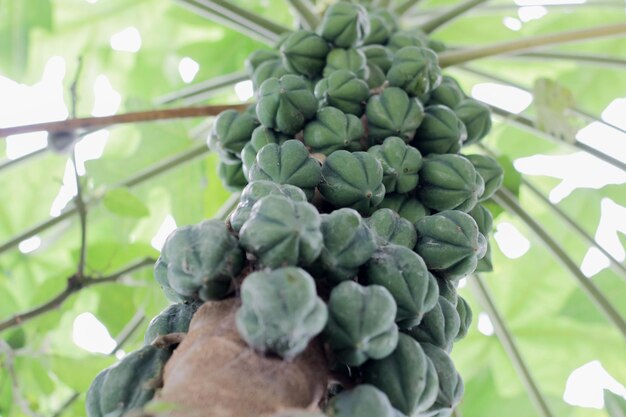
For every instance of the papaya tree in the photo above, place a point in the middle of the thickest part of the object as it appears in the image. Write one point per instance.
(329, 222)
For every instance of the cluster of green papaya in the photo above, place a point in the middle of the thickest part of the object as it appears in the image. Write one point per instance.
(358, 215)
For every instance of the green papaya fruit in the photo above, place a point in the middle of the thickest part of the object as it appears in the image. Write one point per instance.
(484, 221)
(465, 316)
(379, 55)
(160, 276)
(449, 182)
(450, 383)
(402, 39)
(343, 90)
(389, 228)
(231, 131)
(266, 70)
(363, 401)
(476, 117)
(393, 113)
(333, 130)
(350, 59)
(485, 264)
(257, 190)
(483, 218)
(436, 45)
(400, 163)
(388, 17)
(491, 172)
(406, 205)
(415, 70)
(280, 231)
(448, 93)
(285, 104)
(345, 24)
(261, 136)
(348, 244)
(127, 385)
(289, 163)
(407, 376)
(174, 319)
(360, 323)
(256, 58)
(284, 328)
(352, 179)
(379, 33)
(202, 260)
(304, 53)
(232, 175)
(440, 326)
(376, 77)
(447, 290)
(450, 243)
(404, 274)
(441, 131)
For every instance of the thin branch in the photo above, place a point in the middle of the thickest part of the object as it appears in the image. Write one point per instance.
(576, 110)
(66, 405)
(196, 8)
(134, 117)
(456, 57)
(18, 397)
(74, 285)
(589, 59)
(228, 8)
(617, 267)
(491, 8)
(237, 18)
(306, 12)
(508, 201)
(151, 172)
(615, 264)
(128, 331)
(74, 88)
(406, 6)
(449, 15)
(8, 163)
(482, 294)
(79, 202)
(202, 90)
(530, 125)
(229, 205)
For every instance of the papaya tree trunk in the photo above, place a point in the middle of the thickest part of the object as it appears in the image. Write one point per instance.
(215, 373)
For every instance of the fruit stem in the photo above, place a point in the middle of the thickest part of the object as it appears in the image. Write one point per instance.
(577, 111)
(456, 57)
(483, 295)
(237, 18)
(151, 172)
(307, 13)
(617, 267)
(508, 201)
(202, 90)
(590, 59)
(405, 7)
(528, 124)
(449, 15)
(229, 205)
(134, 117)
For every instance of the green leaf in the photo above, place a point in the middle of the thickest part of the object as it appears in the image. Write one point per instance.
(615, 404)
(552, 102)
(77, 373)
(122, 202)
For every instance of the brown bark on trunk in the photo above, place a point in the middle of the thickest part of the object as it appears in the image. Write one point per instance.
(214, 373)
